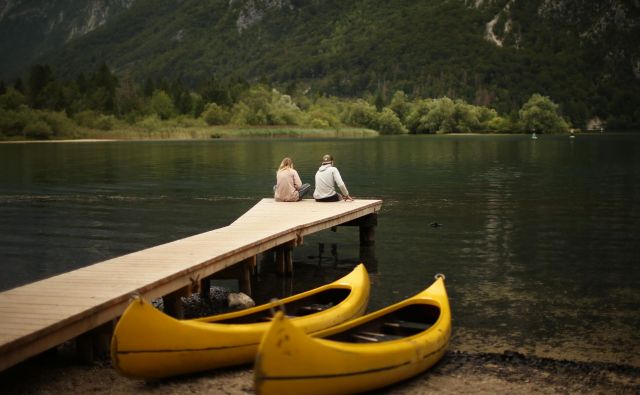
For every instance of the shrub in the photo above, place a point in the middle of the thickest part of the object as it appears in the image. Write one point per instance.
(162, 105)
(389, 123)
(215, 114)
(465, 117)
(319, 117)
(541, 114)
(499, 124)
(12, 99)
(150, 123)
(12, 123)
(240, 114)
(59, 123)
(95, 120)
(415, 121)
(105, 122)
(37, 129)
(319, 123)
(361, 113)
(400, 105)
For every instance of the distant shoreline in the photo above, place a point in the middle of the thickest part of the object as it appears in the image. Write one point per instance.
(58, 141)
(260, 133)
(196, 133)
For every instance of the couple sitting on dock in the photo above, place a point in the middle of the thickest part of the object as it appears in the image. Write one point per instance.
(289, 187)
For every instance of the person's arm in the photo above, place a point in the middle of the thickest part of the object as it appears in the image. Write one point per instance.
(297, 182)
(343, 188)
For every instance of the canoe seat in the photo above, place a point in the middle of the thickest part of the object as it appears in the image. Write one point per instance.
(372, 337)
(404, 328)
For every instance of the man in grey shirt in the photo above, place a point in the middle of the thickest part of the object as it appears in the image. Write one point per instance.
(327, 177)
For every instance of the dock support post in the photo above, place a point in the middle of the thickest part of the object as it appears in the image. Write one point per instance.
(95, 343)
(279, 260)
(173, 303)
(284, 259)
(205, 288)
(240, 271)
(288, 260)
(248, 265)
(367, 227)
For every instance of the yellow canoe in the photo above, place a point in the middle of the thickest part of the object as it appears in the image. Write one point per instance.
(150, 344)
(369, 352)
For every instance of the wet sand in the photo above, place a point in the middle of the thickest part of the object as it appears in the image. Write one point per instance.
(458, 372)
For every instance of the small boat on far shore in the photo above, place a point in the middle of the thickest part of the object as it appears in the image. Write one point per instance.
(149, 344)
(373, 351)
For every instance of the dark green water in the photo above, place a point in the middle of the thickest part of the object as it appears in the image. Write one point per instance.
(540, 239)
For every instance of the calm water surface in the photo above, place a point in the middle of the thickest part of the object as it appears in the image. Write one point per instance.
(539, 239)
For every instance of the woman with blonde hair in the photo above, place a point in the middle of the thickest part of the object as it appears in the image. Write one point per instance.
(289, 187)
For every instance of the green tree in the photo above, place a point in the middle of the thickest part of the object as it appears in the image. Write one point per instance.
(213, 91)
(105, 84)
(415, 120)
(400, 105)
(389, 123)
(465, 117)
(19, 86)
(540, 114)
(162, 105)
(12, 99)
(197, 104)
(52, 97)
(215, 114)
(440, 117)
(149, 87)
(37, 129)
(40, 75)
(361, 113)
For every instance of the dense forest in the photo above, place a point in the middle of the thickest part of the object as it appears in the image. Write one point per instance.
(329, 63)
(46, 108)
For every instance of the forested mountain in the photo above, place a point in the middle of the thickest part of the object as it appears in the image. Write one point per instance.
(31, 28)
(581, 53)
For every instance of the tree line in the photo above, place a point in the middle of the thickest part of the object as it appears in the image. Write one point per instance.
(47, 107)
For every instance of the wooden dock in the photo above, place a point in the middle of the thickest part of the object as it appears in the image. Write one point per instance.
(44, 314)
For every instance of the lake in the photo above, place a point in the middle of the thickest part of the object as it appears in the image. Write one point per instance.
(539, 239)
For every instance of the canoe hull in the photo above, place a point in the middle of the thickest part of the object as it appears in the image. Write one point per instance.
(290, 362)
(149, 344)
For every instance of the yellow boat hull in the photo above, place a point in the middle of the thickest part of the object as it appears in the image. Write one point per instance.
(292, 362)
(149, 344)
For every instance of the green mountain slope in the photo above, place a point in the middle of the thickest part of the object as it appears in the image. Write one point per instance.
(580, 53)
(31, 28)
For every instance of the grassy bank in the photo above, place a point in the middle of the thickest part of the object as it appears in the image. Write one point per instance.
(186, 133)
(205, 133)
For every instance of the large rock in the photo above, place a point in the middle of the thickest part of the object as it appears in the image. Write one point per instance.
(240, 301)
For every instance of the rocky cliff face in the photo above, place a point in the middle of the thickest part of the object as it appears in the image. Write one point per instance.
(252, 11)
(95, 14)
(590, 20)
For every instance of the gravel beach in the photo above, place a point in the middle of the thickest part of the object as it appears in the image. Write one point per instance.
(458, 372)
